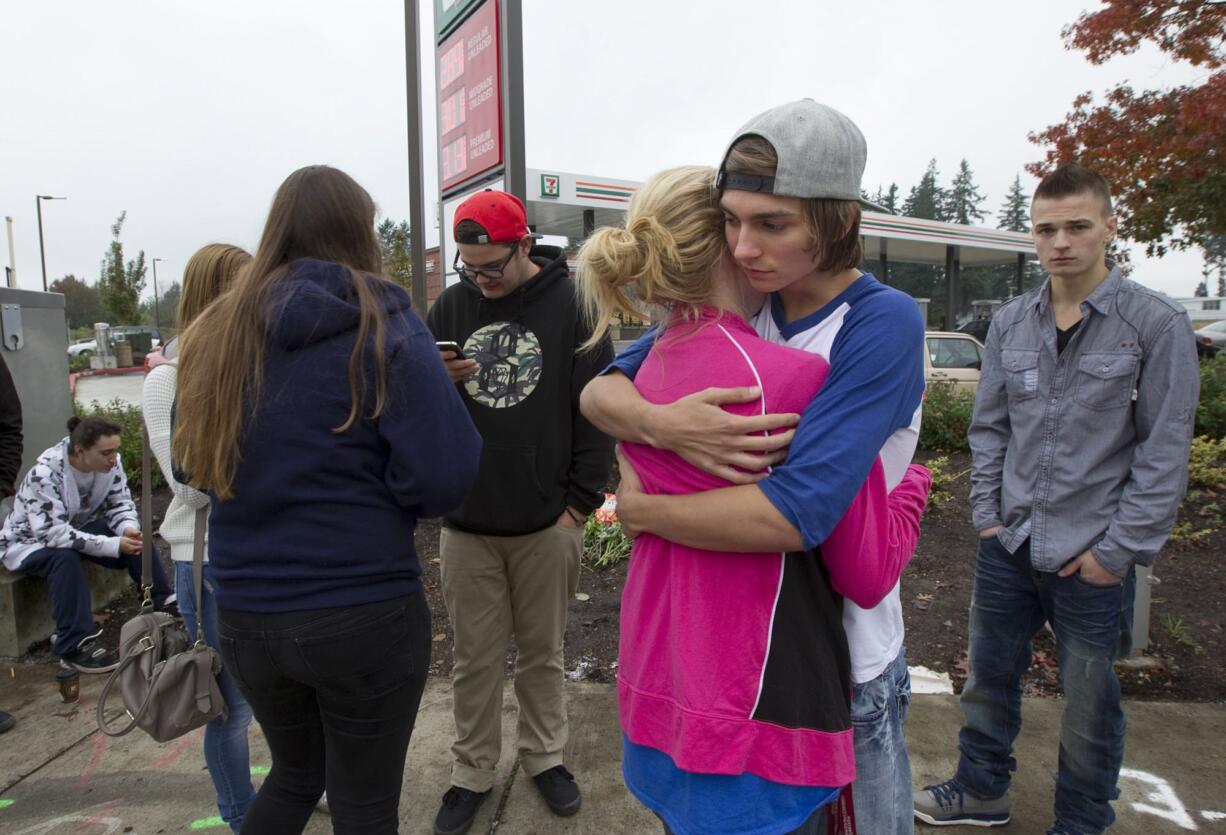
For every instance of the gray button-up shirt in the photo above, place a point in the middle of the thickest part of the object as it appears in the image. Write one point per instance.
(1089, 448)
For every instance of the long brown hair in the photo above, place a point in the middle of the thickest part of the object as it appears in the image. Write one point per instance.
(318, 212)
(209, 273)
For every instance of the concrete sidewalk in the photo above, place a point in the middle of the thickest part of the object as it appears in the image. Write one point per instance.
(59, 775)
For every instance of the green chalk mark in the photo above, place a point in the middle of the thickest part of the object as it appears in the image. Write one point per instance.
(5, 803)
(261, 769)
(206, 823)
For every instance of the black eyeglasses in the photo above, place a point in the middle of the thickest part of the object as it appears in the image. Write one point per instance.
(471, 273)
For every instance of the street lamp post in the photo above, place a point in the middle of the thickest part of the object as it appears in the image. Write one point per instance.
(38, 204)
(157, 316)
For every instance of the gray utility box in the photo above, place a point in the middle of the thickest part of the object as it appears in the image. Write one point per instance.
(35, 349)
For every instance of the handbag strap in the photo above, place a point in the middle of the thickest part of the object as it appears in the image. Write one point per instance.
(146, 519)
(200, 530)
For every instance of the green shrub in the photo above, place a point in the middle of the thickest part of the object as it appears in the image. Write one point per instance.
(128, 417)
(1207, 463)
(78, 362)
(947, 417)
(1211, 413)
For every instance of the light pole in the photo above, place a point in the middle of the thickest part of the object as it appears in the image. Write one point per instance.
(157, 316)
(38, 204)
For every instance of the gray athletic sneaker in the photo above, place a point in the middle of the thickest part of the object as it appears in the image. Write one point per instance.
(948, 804)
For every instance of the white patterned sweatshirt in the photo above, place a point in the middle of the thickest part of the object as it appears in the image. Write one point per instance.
(48, 500)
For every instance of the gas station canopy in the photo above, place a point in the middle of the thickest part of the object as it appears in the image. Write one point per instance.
(572, 205)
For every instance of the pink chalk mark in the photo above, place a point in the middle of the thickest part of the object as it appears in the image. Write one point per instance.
(95, 759)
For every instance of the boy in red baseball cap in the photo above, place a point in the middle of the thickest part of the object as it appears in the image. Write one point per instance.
(510, 553)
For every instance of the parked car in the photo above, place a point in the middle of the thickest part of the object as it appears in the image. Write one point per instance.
(952, 357)
(83, 347)
(1210, 339)
(90, 346)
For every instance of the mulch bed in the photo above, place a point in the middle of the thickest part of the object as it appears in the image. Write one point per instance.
(1187, 629)
(1188, 663)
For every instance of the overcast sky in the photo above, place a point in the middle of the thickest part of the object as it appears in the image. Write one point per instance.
(188, 115)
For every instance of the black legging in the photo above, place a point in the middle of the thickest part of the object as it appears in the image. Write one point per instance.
(336, 693)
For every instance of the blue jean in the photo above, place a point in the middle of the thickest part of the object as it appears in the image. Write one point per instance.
(68, 586)
(1011, 601)
(336, 693)
(225, 740)
(881, 793)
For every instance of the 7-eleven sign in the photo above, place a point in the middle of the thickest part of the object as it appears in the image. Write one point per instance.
(551, 185)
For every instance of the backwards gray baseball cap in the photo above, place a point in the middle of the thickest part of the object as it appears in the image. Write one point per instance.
(821, 153)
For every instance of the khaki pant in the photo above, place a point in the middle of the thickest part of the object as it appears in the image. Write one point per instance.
(495, 586)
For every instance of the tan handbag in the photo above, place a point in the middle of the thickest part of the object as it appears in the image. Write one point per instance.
(167, 681)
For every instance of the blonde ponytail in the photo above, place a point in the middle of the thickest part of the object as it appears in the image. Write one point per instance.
(663, 257)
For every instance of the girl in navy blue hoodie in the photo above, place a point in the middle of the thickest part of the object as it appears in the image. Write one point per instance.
(313, 407)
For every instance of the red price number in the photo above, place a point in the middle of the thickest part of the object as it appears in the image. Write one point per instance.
(455, 158)
(451, 65)
(451, 112)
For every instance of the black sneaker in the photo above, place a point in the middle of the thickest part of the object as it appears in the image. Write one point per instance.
(6, 721)
(458, 811)
(93, 659)
(561, 792)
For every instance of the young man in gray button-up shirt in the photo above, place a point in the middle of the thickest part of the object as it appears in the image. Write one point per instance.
(1080, 438)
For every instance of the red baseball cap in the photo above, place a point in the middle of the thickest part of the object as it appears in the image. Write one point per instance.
(501, 217)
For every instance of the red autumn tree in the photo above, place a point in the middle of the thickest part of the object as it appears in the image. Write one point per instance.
(1163, 151)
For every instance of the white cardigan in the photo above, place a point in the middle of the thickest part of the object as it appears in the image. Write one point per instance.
(178, 526)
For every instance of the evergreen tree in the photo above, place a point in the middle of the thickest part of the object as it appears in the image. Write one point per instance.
(1202, 289)
(927, 199)
(886, 198)
(963, 197)
(120, 285)
(394, 241)
(1014, 213)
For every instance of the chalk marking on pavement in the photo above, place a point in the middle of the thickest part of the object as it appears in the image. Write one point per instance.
(6, 802)
(95, 759)
(1206, 814)
(206, 823)
(97, 818)
(260, 769)
(178, 750)
(1172, 807)
(53, 825)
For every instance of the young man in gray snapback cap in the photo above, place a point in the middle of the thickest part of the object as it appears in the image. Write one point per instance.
(790, 188)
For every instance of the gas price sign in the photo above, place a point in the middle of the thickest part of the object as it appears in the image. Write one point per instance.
(470, 98)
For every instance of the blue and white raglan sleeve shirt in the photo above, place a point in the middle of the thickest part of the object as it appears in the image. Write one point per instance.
(873, 337)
